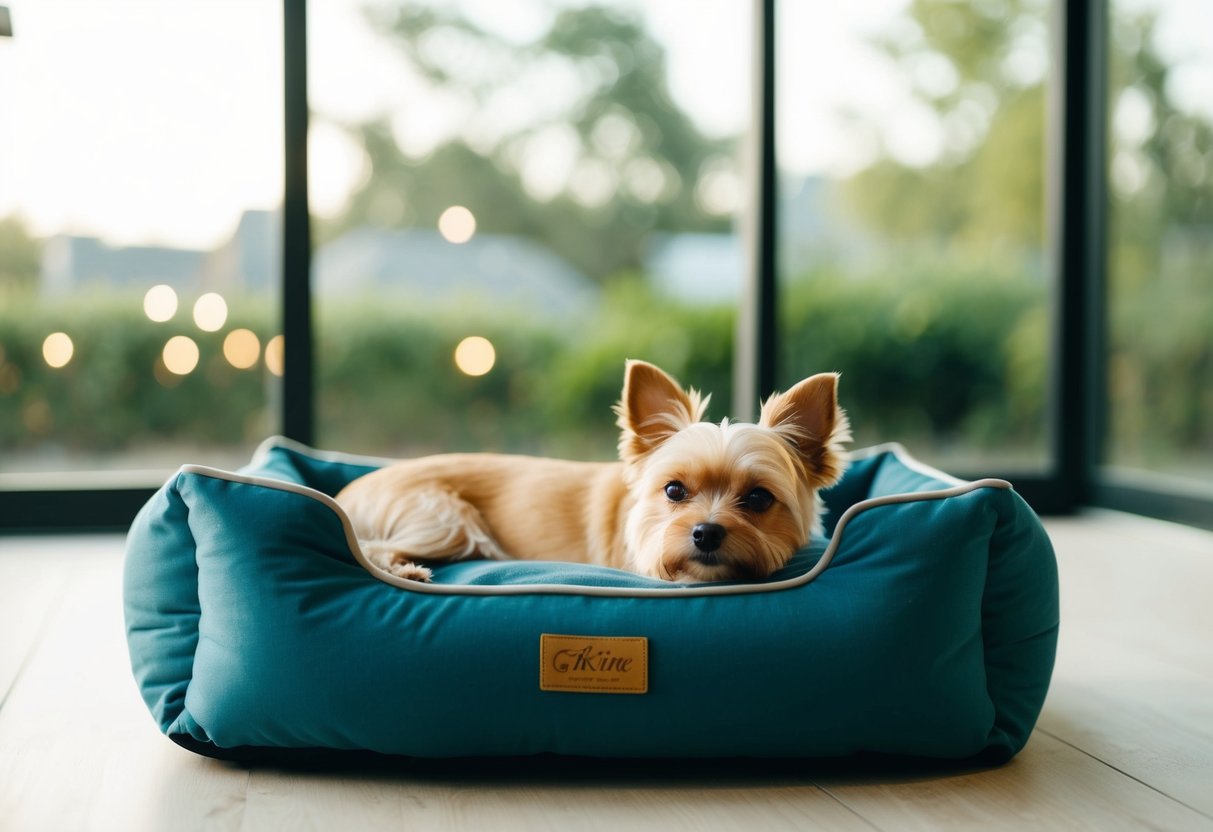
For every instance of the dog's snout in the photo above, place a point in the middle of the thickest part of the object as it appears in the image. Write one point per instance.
(707, 537)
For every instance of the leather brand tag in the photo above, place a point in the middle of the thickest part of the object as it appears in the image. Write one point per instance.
(593, 664)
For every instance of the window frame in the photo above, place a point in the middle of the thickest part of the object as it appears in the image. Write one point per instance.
(1076, 218)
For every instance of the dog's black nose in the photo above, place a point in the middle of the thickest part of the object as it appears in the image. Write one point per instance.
(707, 537)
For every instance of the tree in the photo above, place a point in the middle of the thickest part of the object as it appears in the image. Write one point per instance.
(1160, 258)
(1162, 158)
(985, 190)
(643, 157)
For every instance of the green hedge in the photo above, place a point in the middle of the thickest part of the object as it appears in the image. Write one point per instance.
(925, 357)
(387, 379)
(108, 397)
(940, 358)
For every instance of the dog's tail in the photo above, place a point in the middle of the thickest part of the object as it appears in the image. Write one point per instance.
(427, 524)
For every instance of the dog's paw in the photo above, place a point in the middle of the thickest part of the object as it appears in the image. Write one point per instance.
(404, 568)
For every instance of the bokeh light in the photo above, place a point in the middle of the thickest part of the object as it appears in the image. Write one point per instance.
(160, 303)
(274, 355)
(210, 312)
(180, 355)
(241, 348)
(57, 349)
(475, 356)
(457, 224)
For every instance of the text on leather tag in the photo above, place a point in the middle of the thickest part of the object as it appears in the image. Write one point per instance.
(593, 664)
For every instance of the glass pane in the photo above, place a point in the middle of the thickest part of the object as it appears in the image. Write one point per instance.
(140, 165)
(911, 141)
(512, 199)
(1160, 246)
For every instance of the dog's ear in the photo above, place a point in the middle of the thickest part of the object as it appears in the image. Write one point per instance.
(653, 408)
(808, 416)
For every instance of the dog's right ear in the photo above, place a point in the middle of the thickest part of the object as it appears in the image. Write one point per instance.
(653, 408)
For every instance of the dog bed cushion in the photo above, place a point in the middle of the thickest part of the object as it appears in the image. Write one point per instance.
(925, 625)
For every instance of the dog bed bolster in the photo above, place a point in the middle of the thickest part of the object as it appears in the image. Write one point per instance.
(925, 625)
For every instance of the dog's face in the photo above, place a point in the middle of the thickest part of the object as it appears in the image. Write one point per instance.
(732, 501)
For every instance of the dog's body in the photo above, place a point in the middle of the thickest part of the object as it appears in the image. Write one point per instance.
(689, 500)
(490, 506)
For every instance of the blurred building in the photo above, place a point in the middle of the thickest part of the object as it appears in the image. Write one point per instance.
(250, 261)
(246, 263)
(71, 264)
(493, 271)
(711, 268)
(697, 268)
(489, 270)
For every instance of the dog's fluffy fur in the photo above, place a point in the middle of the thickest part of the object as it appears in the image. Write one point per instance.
(688, 500)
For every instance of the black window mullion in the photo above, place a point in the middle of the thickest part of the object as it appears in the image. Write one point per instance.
(1076, 228)
(298, 400)
(755, 370)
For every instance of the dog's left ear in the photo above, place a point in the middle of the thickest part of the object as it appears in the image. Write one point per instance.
(809, 417)
(653, 408)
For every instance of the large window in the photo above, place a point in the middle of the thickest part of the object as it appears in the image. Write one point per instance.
(511, 200)
(140, 170)
(506, 204)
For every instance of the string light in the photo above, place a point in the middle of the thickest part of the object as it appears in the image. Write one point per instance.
(241, 348)
(160, 303)
(457, 224)
(475, 356)
(210, 312)
(180, 355)
(57, 349)
(274, 355)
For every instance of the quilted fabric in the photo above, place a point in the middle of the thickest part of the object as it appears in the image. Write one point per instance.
(926, 626)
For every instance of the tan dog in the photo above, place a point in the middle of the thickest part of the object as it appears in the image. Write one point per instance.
(690, 500)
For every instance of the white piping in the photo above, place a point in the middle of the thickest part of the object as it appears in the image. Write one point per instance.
(676, 590)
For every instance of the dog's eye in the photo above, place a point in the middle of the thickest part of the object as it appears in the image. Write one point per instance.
(676, 492)
(758, 500)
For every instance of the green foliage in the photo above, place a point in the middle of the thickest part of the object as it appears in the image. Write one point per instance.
(1160, 365)
(984, 196)
(388, 379)
(20, 256)
(985, 191)
(115, 394)
(1160, 300)
(930, 356)
(928, 364)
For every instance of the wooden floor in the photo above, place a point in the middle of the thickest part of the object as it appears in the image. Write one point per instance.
(1125, 741)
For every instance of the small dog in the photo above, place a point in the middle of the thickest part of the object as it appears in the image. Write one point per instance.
(689, 500)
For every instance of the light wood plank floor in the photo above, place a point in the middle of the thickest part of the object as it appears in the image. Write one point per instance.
(1125, 741)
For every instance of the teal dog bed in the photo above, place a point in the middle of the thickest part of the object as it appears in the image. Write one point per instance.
(925, 626)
